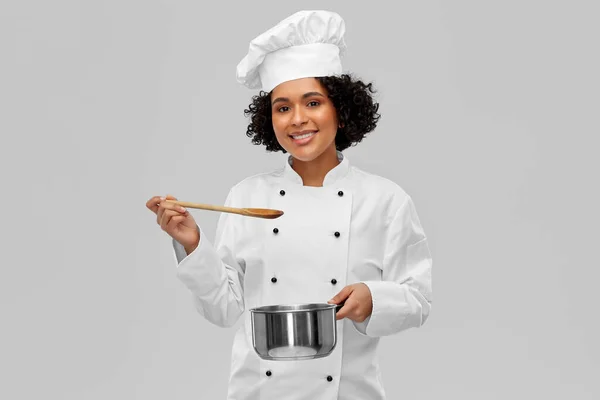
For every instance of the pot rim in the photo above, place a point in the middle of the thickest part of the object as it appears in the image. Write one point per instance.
(292, 308)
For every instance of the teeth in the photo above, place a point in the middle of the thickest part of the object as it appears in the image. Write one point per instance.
(303, 136)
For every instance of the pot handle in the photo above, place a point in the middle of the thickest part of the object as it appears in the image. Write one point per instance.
(339, 306)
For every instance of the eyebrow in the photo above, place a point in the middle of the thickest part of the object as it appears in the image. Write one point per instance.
(305, 95)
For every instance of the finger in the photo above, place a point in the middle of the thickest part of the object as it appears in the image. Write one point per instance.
(174, 221)
(342, 295)
(153, 203)
(345, 311)
(166, 218)
(171, 206)
(164, 205)
(159, 214)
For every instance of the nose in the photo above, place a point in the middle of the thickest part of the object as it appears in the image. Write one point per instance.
(299, 117)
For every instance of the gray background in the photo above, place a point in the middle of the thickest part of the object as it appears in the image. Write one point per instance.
(490, 122)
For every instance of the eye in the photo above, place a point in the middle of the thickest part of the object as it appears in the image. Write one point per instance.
(314, 102)
(281, 109)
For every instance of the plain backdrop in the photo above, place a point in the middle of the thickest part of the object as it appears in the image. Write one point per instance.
(489, 121)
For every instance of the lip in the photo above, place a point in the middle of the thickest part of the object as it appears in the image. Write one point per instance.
(305, 140)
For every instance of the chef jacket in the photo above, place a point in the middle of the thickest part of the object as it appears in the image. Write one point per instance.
(357, 227)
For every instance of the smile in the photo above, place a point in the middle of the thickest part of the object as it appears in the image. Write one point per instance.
(303, 135)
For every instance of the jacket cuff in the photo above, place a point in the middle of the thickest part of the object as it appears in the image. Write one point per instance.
(361, 327)
(179, 251)
(395, 308)
(197, 269)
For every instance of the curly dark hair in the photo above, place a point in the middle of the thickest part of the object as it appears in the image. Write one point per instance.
(356, 109)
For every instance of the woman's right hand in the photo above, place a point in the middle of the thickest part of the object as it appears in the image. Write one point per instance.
(176, 221)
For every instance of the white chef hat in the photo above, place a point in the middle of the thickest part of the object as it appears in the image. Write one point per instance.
(305, 44)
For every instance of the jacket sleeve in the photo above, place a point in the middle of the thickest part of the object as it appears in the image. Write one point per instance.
(402, 299)
(213, 274)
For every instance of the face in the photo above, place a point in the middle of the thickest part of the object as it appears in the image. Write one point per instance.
(304, 119)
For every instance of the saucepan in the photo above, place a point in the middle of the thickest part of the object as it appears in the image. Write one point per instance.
(294, 332)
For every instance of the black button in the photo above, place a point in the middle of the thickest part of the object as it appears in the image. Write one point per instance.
(329, 378)
(334, 281)
(282, 192)
(340, 193)
(268, 373)
(275, 230)
(273, 279)
(337, 234)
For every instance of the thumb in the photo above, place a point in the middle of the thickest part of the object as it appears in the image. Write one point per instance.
(341, 296)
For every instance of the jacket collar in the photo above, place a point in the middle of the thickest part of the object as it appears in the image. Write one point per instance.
(333, 176)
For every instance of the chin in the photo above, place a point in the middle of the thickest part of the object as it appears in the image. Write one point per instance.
(302, 156)
(301, 152)
(306, 155)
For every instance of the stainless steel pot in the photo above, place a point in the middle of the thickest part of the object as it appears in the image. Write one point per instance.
(294, 332)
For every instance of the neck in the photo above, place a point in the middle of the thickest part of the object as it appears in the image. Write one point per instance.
(313, 172)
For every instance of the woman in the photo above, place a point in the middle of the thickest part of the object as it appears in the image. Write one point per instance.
(346, 235)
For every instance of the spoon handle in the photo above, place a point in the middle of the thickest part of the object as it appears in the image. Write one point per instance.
(210, 207)
(249, 212)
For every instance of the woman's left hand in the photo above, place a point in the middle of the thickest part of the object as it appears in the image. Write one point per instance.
(359, 303)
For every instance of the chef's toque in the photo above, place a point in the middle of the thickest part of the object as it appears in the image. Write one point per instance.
(305, 44)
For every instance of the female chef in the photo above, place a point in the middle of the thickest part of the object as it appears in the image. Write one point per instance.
(345, 234)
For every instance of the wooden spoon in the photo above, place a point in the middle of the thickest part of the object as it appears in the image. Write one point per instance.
(248, 212)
